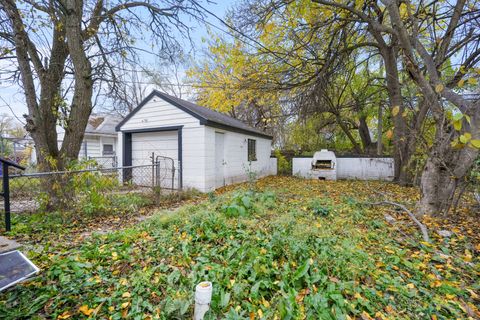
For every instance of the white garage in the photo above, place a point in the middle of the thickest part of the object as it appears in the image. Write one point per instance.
(208, 149)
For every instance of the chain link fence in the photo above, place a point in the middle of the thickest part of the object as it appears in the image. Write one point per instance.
(104, 185)
(104, 162)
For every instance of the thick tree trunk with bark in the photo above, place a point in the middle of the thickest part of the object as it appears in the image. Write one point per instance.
(42, 113)
(43, 70)
(81, 107)
(401, 153)
(445, 170)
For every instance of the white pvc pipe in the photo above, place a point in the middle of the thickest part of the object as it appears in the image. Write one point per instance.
(203, 297)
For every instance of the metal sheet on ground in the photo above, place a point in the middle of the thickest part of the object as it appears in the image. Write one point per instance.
(14, 268)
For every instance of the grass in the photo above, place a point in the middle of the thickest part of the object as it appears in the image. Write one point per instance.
(291, 249)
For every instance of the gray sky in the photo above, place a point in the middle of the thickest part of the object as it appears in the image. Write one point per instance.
(11, 95)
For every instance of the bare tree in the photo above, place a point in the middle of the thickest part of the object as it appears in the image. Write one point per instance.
(62, 51)
(168, 76)
(128, 91)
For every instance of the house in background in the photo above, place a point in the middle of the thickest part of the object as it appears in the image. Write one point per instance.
(100, 140)
(18, 149)
(209, 149)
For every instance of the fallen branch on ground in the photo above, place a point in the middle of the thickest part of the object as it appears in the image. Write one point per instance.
(420, 225)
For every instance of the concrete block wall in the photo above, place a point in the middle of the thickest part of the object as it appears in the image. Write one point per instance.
(350, 168)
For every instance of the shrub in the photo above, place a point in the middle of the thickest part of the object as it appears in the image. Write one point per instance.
(284, 166)
(240, 205)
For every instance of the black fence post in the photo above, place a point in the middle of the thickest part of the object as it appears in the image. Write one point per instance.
(6, 188)
(6, 195)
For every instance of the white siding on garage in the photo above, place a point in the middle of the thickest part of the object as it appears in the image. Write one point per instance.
(159, 113)
(237, 165)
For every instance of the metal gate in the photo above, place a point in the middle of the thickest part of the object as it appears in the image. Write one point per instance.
(164, 175)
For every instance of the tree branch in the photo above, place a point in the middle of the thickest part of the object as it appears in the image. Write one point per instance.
(420, 225)
(447, 38)
(365, 18)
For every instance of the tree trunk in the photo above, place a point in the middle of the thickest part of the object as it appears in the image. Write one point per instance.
(401, 153)
(81, 106)
(364, 132)
(445, 170)
(349, 135)
(380, 130)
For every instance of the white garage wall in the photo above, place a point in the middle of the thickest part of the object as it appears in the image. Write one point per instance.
(236, 157)
(159, 113)
(194, 157)
(351, 168)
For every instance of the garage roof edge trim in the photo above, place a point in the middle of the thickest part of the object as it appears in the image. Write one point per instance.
(207, 117)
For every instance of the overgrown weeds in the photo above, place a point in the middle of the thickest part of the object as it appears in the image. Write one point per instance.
(278, 260)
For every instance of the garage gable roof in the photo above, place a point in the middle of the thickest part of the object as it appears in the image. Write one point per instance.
(207, 117)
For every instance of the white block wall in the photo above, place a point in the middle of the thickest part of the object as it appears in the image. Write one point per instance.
(301, 167)
(273, 167)
(365, 168)
(351, 168)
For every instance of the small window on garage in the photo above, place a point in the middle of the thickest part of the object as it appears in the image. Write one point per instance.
(108, 149)
(252, 150)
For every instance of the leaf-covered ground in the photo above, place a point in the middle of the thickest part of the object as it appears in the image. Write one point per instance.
(291, 249)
